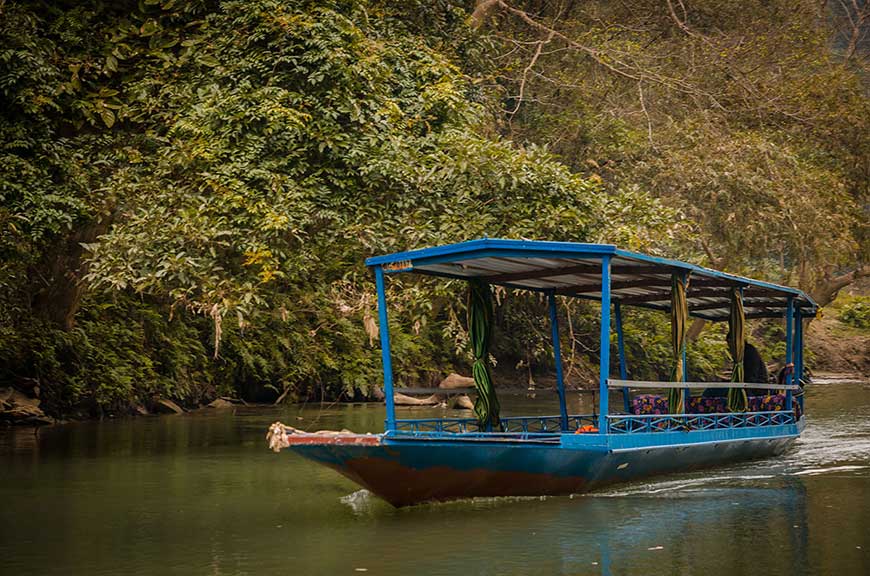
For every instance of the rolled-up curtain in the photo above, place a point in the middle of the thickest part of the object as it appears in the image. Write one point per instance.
(480, 314)
(679, 318)
(737, 400)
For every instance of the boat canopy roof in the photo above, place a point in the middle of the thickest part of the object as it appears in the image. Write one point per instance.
(575, 269)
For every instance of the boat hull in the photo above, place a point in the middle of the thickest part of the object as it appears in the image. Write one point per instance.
(407, 472)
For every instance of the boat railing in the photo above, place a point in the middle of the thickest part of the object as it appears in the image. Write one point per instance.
(641, 424)
(507, 425)
(636, 384)
(545, 426)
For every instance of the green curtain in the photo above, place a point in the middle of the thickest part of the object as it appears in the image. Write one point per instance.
(480, 313)
(679, 318)
(737, 400)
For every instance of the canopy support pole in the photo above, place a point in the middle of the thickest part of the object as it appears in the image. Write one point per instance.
(557, 355)
(604, 356)
(386, 359)
(685, 364)
(798, 347)
(620, 345)
(799, 353)
(789, 348)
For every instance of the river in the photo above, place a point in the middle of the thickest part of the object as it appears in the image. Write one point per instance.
(201, 494)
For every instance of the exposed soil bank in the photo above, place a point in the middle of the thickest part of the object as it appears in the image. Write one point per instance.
(836, 347)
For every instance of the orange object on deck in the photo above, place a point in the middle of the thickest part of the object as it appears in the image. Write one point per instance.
(588, 428)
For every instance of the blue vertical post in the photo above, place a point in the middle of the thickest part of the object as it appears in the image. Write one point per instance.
(799, 352)
(798, 346)
(620, 347)
(685, 346)
(789, 347)
(685, 364)
(685, 379)
(386, 360)
(557, 354)
(604, 356)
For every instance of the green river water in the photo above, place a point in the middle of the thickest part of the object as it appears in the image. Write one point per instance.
(201, 494)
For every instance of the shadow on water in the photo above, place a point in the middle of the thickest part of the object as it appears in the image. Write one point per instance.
(200, 494)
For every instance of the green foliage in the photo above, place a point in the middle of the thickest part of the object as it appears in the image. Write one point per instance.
(769, 337)
(188, 189)
(523, 337)
(739, 116)
(121, 352)
(856, 312)
(229, 166)
(302, 137)
(759, 217)
(649, 352)
(41, 183)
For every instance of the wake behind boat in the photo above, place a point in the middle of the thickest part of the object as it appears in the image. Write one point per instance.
(437, 459)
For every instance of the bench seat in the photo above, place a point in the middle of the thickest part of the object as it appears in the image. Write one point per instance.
(650, 404)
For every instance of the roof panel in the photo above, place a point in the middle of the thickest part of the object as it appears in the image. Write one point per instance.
(636, 278)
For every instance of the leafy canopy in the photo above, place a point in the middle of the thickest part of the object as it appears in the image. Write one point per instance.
(294, 138)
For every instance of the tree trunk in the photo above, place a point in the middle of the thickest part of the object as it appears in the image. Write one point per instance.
(60, 276)
(826, 289)
(695, 329)
(481, 11)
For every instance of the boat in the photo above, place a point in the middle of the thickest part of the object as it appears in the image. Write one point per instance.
(675, 430)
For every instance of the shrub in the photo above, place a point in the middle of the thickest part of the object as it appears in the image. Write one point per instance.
(856, 312)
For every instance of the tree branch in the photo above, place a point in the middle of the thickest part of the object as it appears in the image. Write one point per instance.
(480, 12)
(826, 291)
(528, 69)
(608, 60)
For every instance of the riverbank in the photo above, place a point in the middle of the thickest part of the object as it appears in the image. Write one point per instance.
(834, 348)
(838, 348)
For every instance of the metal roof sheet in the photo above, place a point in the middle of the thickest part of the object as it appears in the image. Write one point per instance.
(574, 269)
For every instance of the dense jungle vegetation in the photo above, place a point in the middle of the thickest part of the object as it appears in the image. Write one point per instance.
(188, 189)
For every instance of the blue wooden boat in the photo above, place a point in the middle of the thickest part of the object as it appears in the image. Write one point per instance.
(421, 460)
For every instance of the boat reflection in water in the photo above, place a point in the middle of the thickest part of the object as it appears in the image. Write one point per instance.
(664, 527)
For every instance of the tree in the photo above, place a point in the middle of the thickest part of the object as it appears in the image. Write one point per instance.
(237, 161)
(740, 117)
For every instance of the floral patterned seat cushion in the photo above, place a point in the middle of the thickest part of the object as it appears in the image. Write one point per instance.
(657, 404)
(649, 404)
(771, 403)
(707, 405)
